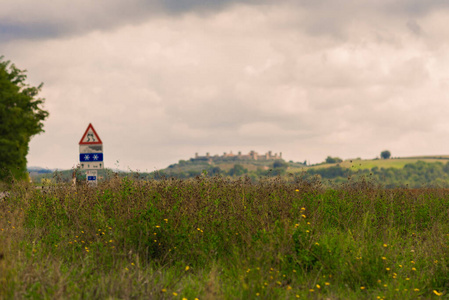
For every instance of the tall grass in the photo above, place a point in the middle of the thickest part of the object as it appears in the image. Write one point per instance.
(215, 238)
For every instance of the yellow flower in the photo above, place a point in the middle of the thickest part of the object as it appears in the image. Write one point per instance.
(311, 290)
(388, 269)
(318, 286)
(400, 266)
(436, 293)
(327, 283)
(187, 268)
(157, 226)
(412, 262)
(304, 216)
(175, 294)
(163, 290)
(257, 294)
(385, 245)
(303, 208)
(296, 190)
(362, 287)
(384, 258)
(416, 290)
(413, 269)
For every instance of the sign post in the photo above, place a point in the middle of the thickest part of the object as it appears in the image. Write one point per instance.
(91, 154)
(91, 176)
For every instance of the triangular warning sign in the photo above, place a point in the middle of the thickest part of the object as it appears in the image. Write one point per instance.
(90, 137)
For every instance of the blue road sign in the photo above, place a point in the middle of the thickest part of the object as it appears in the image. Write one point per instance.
(91, 178)
(91, 157)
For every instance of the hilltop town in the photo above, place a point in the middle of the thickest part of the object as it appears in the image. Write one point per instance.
(252, 155)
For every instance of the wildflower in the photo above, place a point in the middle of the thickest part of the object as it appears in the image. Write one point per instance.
(318, 286)
(317, 244)
(132, 264)
(308, 223)
(416, 290)
(413, 269)
(187, 268)
(400, 266)
(296, 225)
(303, 208)
(412, 262)
(362, 287)
(183, 298)
(385, 245)
(82, 231)
(311, 290)
(407, 278)
(296, 190)
(304, 216)
(294, 271)
(388, 269)
(166, 220)
(157, 226)
(436, 293)
(384, 258)
(163, 290)
(327, 283)
(289, 287)
(257, 294)
(175, 294)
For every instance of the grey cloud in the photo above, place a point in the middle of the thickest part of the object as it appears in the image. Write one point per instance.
(414, 27)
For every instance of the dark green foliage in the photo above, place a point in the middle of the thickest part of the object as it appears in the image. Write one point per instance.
(237, 170)
(385, 154)
(21, 118)
(333, 160)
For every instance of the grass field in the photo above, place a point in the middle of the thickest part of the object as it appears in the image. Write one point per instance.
(397, 163)
(216, 238)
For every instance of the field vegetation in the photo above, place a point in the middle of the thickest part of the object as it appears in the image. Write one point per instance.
(224, 238)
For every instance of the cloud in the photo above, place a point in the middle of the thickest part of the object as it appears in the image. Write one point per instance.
(307, 78)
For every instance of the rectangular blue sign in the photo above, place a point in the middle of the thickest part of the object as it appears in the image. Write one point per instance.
(91, 157)
(91, 178)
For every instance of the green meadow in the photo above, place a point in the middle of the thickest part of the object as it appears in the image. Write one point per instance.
(222, 238)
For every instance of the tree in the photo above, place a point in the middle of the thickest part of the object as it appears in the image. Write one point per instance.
(237, 170)
(333, 160)
(280, 164)
(385, 154)
(21, 118)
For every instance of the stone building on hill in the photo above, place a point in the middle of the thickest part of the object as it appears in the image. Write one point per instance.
(252, 155)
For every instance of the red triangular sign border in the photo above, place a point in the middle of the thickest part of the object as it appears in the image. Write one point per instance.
(96, 134)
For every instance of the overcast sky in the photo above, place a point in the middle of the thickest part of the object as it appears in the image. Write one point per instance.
(161, 80)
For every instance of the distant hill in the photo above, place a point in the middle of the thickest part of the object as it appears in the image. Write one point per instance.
(415, 171)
